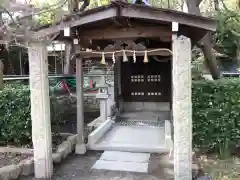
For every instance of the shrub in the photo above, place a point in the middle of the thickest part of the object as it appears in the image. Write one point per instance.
(15, 114)
(15, 121)
(216, 115)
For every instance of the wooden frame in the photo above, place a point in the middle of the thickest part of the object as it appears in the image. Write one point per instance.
(125, 33)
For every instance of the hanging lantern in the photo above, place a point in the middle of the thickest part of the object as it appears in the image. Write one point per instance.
(145, 57)
(125, 58)
(134, 56)
(103, 61)
(113, 58)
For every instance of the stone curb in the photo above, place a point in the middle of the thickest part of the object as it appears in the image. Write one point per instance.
(26, 166)
(16, 150)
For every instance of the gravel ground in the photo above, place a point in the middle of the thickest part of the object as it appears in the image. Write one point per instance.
(11, 158)
(78, 167)
(140, 123)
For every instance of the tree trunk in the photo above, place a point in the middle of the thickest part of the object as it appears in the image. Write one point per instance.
(1, 75)
(73, 5)
(1, 63)
(216, 5)
(193, 8)
(238, 55)
(210, 57)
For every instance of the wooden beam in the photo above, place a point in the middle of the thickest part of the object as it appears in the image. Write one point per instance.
(168, 16)
(117, 54)
(83, 19)
(125, 33)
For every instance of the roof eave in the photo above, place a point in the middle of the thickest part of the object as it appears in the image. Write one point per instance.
(117, 9)
(85, 18)
(138, 11)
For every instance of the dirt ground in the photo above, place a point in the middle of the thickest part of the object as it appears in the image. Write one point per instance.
(228, 169)
(15, 158)
(78, 167)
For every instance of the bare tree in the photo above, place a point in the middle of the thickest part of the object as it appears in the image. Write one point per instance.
(17, 24)
(206, 45)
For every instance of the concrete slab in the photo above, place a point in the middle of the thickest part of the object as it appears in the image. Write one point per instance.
(121, 166)
(133, 139)
(123, 161)
(125, 156)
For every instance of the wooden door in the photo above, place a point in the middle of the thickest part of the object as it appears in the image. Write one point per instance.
(142, 82)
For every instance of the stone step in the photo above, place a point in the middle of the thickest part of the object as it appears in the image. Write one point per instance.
(125, 156)
(123, 161)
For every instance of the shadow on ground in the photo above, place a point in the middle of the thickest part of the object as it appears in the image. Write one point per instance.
(78, 167)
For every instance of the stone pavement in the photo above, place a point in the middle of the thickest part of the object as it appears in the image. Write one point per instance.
(78, 167)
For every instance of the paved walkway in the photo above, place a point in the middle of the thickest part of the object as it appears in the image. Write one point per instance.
(77, 167)
(132, 138)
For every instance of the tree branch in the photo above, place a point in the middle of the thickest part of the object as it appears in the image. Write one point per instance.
(224, 5)
(6, 11)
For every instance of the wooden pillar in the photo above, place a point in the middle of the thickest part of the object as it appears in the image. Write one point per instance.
(69, 46)
(68, 54)
(40, 110)
(80, 147)
(182, 105)
(117, 82)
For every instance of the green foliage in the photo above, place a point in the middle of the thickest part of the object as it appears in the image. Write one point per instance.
(15, 117)
(15, 121)
(53, 11)
(228, 32)
(216, 115)
(45, 18)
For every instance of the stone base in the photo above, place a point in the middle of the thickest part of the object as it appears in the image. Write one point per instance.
(80, 149)
(167, 163)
